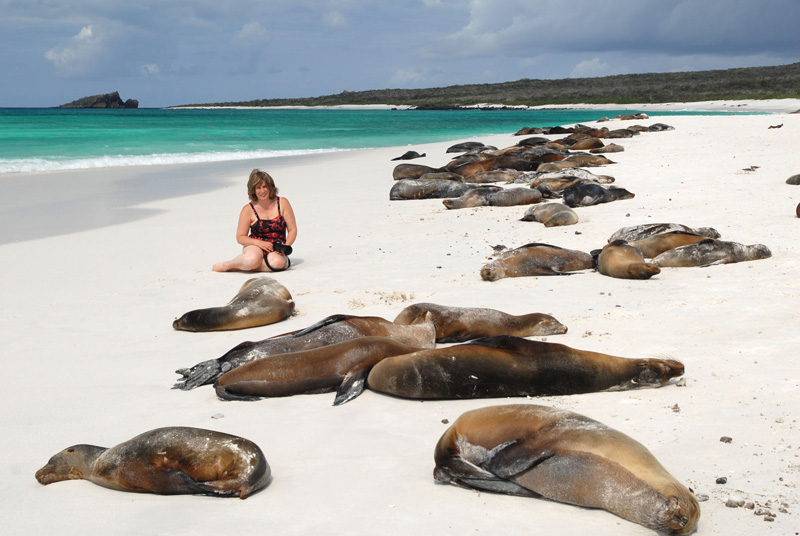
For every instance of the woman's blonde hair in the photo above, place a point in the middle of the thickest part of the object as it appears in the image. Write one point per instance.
(257, 177)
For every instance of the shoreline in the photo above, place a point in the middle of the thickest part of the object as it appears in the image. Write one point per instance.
(87, 318)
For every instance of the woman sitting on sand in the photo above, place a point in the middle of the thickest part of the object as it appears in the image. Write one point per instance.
(266, 227)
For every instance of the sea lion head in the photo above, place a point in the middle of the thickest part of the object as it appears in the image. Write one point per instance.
(681, 512)
(657, 372)
(491, 272)
(72, 463)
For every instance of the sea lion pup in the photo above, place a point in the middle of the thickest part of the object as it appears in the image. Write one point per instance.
(640, 232)
(260, 301)
(623, 261)
(657, 244)
(551, 214)
(494, 196)
(408, 155)
(504, 365)
(341, 367)
(587, 194)
(536, 259)
(167, 461)
(710, 252)
(538, 451)
(420, 332)
(459, 324)
(428, 189)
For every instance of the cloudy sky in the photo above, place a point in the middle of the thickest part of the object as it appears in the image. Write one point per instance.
(166, 52)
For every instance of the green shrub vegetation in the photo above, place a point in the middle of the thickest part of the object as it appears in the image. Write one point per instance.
(731, 84)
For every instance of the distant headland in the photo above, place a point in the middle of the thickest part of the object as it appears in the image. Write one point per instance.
(109, 100)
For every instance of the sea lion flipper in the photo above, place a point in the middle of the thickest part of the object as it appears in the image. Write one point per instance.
(322, 323)
(201, 374)
(352, 385)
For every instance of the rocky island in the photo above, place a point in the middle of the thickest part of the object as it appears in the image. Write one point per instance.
(109, 100)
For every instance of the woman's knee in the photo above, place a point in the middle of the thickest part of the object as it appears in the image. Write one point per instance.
(252, 261)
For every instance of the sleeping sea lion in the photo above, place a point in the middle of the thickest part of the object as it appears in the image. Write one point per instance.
(587, 194)
(341, 367)
(710, 252)
(260, 301)
(551, 214)
(409, 155)
(494, 196)
(640, 232)
(411, 171)
(420, 332)
(459, 324)
(503, 365)
(657, 244)
(538, 451)
(428, 189)
(623, 261)
(536, 259)
(167, 461)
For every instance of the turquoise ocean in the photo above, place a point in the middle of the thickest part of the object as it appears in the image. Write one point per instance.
(45, 139)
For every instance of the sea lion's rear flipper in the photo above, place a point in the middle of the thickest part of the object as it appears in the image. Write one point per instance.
(174, 482)
(322, 323)
(456, 470)
(200, 374)
(352, 385)
(515, 457)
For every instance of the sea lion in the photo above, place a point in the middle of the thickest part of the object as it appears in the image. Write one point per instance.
(657, 244)
(464, 147)
(498, 175)
(536, 259)
(411, 171)
(551, 214)
(623, 261)
(538, 451)
(586, 159)
(503, 365)
(167, 461)
(341, 367)
(797, 210)
(586, 144)
(610, 148)
(794, 180)
(420, 332)
(587, 194)
(409, 155)
(459, 324)
(640, 232)
(494, 196)
(260, 301)
(708, 252)
(533, 141)
(659, 127)
(428, 189)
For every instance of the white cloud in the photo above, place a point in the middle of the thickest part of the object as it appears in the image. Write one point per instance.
(78, 55)
(334, 19)
(251, 35)
(151, 68)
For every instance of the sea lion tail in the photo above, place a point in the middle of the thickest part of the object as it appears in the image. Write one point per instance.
(200, 374)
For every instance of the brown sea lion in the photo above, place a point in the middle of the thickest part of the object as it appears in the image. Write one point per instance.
(586, 160)
(502, 365)
(709, 252)
(588, 194)
(494, 196)
(610, 148)
(459, 324)
(623, 261)
(551, 214)
(538, 451)
(498, 175)
(409, 155)
(260, 301)
(420, 332)
(586, 144)
(536, 259)
(341, 367)
(657, 244)
(640, 232)
(167, 461)
(411, 171)
(797, 210)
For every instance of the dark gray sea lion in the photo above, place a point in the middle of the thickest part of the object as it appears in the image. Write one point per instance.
(794, 180)
(657, 244)
(428, 189)
(464, 147)
(640, 232)
(710, 252)
(623, 261)
(538, 451)
(411, 171)
(495, 196)
(442, 175)
(459, 324)
(660, 127)
(533, 141)
(409, 155)
(621, 133)
(551, 214)
(167, 461)
(331, 330)
(575, 173)
(260, 301)
(587, 194)
(536, 259)
(341, 367)
(503, 365)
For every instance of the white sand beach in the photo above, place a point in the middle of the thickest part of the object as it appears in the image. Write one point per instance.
(97, 264)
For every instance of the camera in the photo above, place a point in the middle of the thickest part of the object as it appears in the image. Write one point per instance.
(280, 247)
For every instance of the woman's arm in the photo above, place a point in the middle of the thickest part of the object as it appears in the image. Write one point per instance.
(243, 231)
(291, 223)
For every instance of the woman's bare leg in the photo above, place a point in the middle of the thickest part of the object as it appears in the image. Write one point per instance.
(251, 259)
(278, 261)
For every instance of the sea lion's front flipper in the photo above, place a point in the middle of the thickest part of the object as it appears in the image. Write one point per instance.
(513, 458)
(352, 385)
(200, 374)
